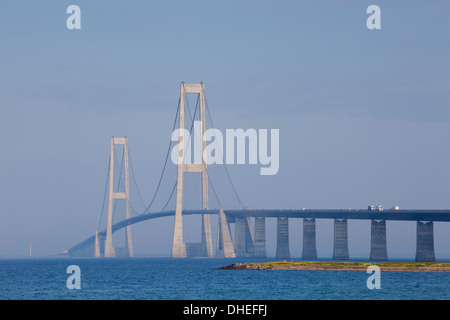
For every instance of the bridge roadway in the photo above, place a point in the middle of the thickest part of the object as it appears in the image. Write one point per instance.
(358, 214)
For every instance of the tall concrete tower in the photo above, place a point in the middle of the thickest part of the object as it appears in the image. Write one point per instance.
(179, 248)
(109, 249)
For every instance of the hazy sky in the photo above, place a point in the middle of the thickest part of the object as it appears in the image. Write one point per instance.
(364, 115)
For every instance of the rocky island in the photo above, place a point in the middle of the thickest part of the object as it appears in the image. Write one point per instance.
(343, 266)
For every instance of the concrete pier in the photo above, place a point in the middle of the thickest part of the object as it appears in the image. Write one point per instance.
(309, 239)
(224, 244)
(244, 247)
(193, 249)
(260, 238)
(250, 238)
(240, 244)
(282, 239)
(340, 251)
(425, 242)
(378, 247)
(206, 244)
(96, 246)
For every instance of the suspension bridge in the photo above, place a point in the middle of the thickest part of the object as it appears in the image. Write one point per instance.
(249, 238)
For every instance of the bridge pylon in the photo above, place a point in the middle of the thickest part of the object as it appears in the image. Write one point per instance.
(180, 249)
(109, 249)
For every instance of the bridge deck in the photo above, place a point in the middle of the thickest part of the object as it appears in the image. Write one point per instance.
(391, 214)
(357, 214)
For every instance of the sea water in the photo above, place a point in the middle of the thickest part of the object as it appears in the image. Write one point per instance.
(199, 279)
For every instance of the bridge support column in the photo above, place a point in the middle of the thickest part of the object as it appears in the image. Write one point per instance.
(340, 251)
(96, 246)
(240, 245)
(224, 244)
(250, 238)
(309, 239)
(244, 238)
(207, 249)
(378, 247)
(86, 252)
(425, 242)
(90, 250)
(178, 245)
(260, 237)
(282, 238)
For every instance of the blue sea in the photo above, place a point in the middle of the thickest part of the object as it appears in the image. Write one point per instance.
(199, 279)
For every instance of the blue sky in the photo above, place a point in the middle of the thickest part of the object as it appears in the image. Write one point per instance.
(363, 114)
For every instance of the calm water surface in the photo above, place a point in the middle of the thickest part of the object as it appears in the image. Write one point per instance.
(174, 279)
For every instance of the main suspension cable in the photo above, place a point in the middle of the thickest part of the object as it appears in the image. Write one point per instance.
(104, 195)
